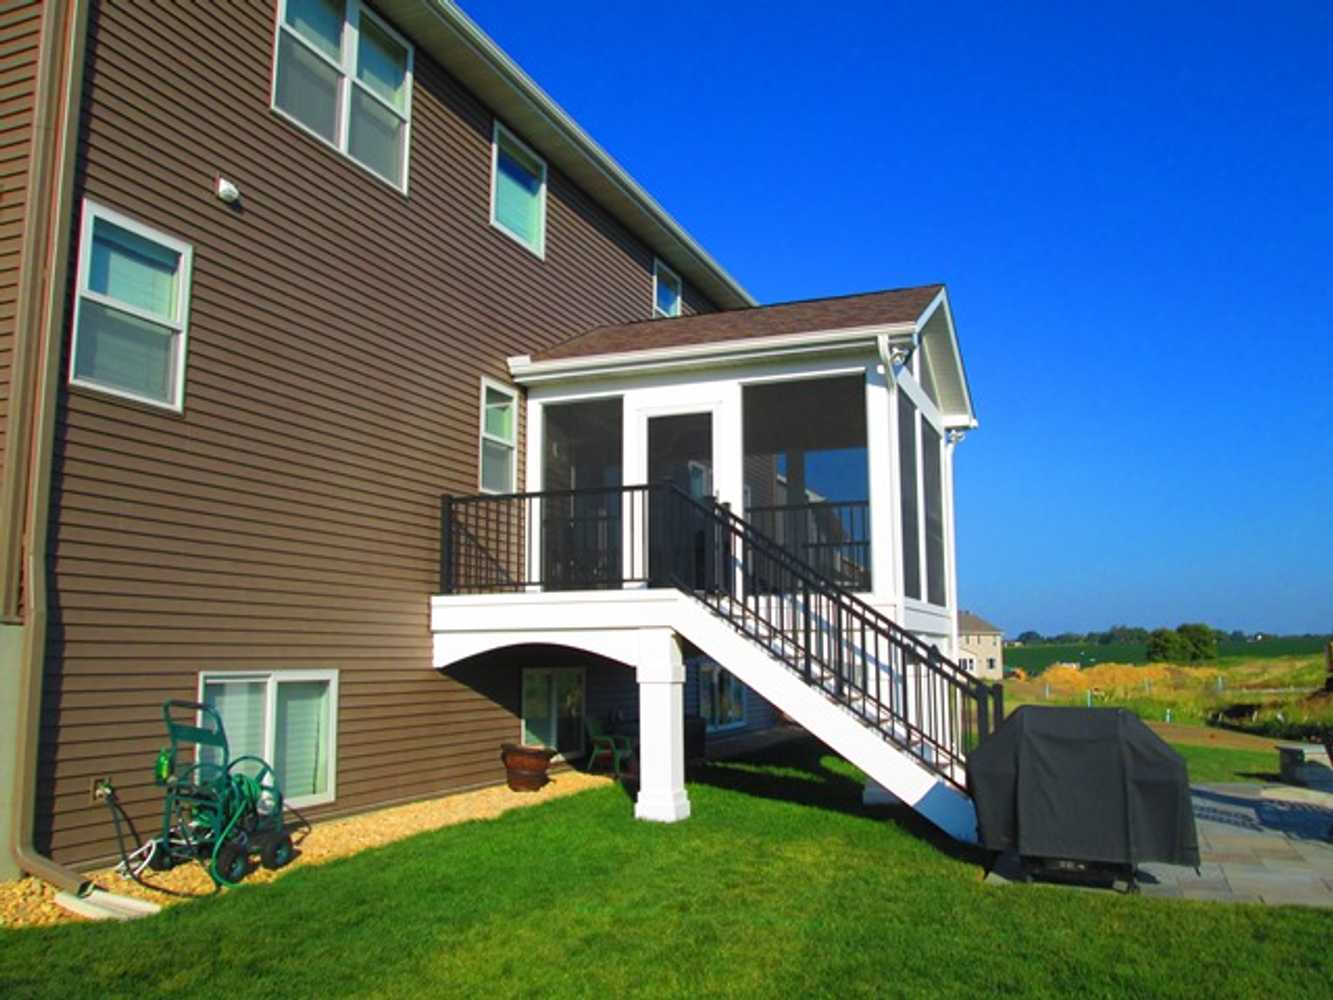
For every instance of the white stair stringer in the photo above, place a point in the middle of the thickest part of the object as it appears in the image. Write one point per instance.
(891, 767)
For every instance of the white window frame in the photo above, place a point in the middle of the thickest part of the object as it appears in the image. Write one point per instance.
(583, 708)
(484, 436)
(658, 269)
(346, 71)
(740, 723)
(500, 133)
(273, 678)
(92, 211)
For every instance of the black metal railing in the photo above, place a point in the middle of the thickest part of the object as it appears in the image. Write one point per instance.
(832, 538)
(658, 536)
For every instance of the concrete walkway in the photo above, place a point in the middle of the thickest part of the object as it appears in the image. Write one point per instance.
(1258, 844)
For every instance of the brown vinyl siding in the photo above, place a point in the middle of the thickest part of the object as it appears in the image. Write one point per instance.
(338, 332)
(20, 33)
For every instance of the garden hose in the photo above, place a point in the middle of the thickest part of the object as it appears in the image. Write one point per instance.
(244, 800)
(136, 873)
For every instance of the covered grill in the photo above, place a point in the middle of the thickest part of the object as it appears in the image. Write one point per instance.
(1092, 785)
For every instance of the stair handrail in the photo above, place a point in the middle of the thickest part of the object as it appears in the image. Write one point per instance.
(947, 743)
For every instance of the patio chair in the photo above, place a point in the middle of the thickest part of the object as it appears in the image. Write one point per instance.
(602, 742)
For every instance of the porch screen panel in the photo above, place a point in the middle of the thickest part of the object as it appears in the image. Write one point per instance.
(933, 486)
(807, 473)
(907, 477)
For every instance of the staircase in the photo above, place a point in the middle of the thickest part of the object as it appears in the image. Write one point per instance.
(874, 692)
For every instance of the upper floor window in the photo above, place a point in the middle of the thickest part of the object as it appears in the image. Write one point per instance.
(499, 437)
(666, 290)
(343, 74)
(132, 310)
(518, 190)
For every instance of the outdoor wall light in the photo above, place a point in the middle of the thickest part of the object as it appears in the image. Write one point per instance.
(226, 191)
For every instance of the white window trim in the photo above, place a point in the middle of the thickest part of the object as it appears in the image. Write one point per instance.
(355, 10)
(273, 678)
(658, 269)
(484, 436)
(583, 709)
(93, 211)
(499, 133)
(740, 723)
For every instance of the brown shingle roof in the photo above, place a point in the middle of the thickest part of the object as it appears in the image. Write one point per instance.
(970, 624)
(898, 305)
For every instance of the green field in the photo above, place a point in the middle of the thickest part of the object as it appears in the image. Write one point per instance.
(1037, 658)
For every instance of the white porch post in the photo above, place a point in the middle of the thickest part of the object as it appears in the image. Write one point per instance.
(661, 676)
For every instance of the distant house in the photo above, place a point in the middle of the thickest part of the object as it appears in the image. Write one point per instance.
(980, 647)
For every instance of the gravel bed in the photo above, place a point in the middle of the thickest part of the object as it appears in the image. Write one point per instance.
(30, 902)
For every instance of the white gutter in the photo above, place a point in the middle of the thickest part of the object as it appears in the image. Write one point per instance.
(525, 371)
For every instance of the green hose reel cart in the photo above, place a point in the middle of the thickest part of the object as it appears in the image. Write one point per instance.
(218, 809)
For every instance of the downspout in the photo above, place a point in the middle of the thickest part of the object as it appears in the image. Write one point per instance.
(38, 333)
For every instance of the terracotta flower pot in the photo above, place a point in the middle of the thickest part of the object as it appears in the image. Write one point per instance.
(525, 766)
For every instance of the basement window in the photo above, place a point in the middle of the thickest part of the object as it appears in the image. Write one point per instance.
(132, 310)
(288, 718)
(499, 438)
(666, 291)
(518, 190)
(345, 76)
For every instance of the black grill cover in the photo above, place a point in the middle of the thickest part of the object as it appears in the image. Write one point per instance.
(1082, 784)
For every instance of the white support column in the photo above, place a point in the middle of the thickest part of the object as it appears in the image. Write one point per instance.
(661, 675)
(952, 439)
(881, 452)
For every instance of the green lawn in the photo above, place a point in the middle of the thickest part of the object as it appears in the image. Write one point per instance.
(1226, 764)
(780, 885)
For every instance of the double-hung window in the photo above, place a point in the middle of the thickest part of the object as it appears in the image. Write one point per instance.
(132, 311)
(666, 291)
(518, 190)
(499, 437)
(343, 74)
(288, 718)
(553, 709)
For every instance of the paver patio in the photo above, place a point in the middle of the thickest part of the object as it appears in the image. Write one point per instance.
(1257, 843)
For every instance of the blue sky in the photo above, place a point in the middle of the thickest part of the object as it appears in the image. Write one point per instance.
(1133, 210)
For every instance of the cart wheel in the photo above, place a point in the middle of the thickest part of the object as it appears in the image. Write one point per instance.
(233, 862)
(277, 853)
(161, 861)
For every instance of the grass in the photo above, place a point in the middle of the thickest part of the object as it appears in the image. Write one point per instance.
(780, 884)
(1224, 764)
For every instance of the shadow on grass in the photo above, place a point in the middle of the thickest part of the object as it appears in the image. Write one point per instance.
(1265, 777)
(798, 772)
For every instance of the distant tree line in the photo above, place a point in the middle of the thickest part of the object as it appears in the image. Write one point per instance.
(1162, 638)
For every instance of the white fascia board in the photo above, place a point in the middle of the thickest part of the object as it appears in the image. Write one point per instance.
(457, 42)
(968, 419)
(525, 371)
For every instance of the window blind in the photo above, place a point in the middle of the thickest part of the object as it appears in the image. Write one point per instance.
(242, 705)
(301, 744)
